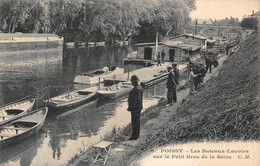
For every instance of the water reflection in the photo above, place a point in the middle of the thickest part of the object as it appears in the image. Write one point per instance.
(67, 130)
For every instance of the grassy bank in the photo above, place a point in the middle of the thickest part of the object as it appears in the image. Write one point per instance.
(226, 109)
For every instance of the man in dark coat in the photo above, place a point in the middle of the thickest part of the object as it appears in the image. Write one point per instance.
(163, 56)
(208, 62)
(171, 85)
(159, 59)
(135, 105)
(176, 72)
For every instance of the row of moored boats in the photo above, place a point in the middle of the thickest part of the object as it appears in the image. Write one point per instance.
(19, 121)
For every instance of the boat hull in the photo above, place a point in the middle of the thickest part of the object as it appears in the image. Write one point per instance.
(90, 80)
(114, 93)
(38, 117)
(58, 104)
(11, 111)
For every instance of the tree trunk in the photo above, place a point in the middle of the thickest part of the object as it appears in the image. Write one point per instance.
(14, 24)
(9, 28)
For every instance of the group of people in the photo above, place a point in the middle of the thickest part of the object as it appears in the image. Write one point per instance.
(135, 100)
(160, 58)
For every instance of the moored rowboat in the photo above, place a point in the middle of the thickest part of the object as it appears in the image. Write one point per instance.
(93, 77)
(115, 90)
(22, 127)
(71, 99)
(10, 111)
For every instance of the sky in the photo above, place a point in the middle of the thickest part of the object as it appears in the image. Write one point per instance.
(219, 9)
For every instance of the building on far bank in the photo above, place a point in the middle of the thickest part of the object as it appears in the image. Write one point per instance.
(176, 48)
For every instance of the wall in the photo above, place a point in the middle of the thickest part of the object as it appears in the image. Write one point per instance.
(13, 46)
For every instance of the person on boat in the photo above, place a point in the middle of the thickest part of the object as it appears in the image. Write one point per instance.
(171, 86)
(163, 56)
(135, 105)
(159, 59)
(105, 69)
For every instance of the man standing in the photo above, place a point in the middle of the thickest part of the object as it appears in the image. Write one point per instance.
(135, 105)
(163, 56)
(159, 59)
(208, 62)
(176, 72)
(171, 85)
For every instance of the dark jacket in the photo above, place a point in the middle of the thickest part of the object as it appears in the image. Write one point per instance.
(135, 99)
(171, 80)
(177, 73)
(208, 61)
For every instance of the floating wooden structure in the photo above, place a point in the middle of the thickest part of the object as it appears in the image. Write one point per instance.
(97, 76)
(148, 76)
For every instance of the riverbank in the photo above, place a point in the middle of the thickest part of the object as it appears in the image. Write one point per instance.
(27, 41)
(154, 113)
(165, 125)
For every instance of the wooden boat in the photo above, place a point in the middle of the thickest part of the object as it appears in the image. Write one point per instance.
(71, 99)
(115, 90)
(93, 77)
(10, 111)
(22, 127)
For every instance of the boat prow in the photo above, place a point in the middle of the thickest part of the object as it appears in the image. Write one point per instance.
(11, 111)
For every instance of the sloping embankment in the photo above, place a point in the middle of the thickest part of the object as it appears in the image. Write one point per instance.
(227, 108)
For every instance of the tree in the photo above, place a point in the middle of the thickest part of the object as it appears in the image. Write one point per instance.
(249, 23)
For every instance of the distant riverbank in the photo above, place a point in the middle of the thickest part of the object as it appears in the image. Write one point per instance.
(28, 41)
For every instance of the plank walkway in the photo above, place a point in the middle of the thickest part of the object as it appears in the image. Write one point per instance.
(148, 76)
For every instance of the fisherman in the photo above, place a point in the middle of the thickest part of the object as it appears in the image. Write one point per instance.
(171, 86)
(135, 105)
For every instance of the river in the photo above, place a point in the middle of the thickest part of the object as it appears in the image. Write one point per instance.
(25, 73)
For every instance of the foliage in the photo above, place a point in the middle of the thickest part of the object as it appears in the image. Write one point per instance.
(226, 22)
(96, 20)
(249, 23)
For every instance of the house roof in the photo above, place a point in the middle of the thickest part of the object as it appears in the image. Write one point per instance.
(147, 44)
(190, 35)
(181, 45)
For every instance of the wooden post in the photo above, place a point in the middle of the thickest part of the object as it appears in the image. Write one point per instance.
(128, 75)
(49, 93)
(99, 83)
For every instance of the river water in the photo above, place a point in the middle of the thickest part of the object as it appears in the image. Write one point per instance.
(24, 74)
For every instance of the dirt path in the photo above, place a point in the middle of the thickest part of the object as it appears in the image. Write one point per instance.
(123, 151)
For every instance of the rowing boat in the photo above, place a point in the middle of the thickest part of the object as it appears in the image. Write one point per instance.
(22, 127)
(10, 111)
(115, 90)
(71, 99)
(96, 76)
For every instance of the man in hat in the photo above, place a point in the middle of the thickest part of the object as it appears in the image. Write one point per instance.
(171, 85)
(135, 105)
